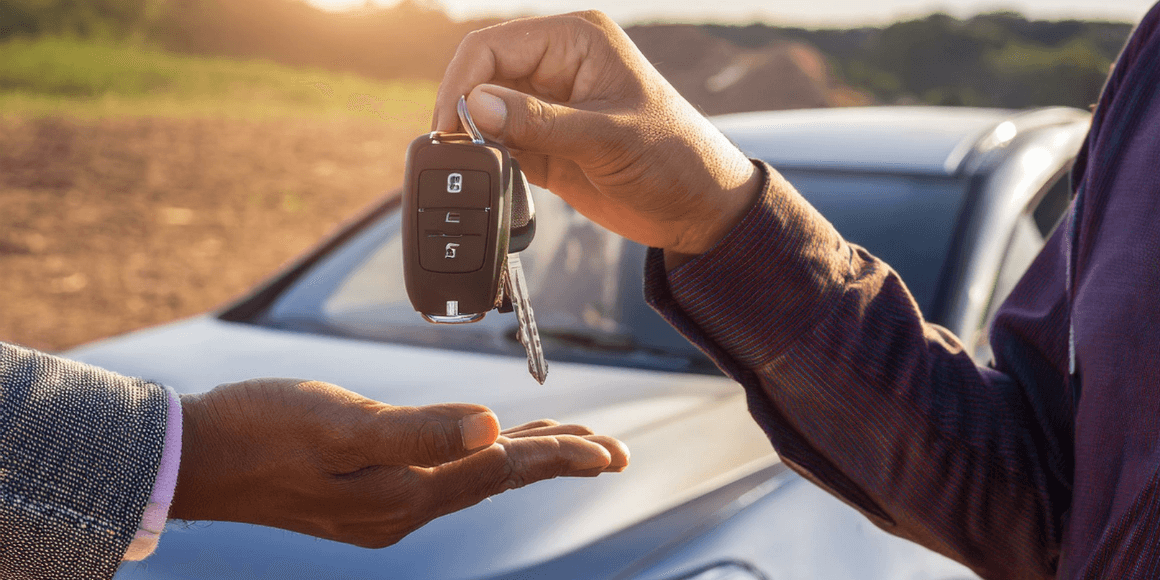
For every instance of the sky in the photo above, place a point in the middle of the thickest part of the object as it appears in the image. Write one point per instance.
(812, 13)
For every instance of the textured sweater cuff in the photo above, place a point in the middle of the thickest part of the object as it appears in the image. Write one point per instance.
(79, 449)
(763, 285)
(157, 510)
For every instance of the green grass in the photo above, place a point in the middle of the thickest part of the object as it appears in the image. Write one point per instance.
(55, 75)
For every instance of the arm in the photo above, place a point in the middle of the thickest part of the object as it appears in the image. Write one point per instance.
(853, 387)
(81, 462)
(867, 400)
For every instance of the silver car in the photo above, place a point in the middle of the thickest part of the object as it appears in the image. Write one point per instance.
(957, 200)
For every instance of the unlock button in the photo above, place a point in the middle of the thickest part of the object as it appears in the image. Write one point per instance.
(451, 254)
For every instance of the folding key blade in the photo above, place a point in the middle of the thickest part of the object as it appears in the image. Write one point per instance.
(529, 335)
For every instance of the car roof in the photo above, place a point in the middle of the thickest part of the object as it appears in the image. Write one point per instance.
(914, 140)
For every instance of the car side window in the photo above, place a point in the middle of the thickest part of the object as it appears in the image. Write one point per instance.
(1050, 209)
(1031, 231)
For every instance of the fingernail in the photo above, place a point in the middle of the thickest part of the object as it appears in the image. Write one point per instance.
(489, 113)
(479, 430)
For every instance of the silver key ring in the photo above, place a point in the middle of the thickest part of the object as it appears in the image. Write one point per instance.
(465, 118)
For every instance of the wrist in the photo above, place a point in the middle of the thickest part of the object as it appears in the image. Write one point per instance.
(188, 503)
(729, 203)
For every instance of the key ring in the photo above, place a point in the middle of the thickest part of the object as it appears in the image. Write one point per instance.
(468, 123)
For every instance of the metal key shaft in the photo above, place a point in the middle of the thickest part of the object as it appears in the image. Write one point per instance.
(529, 335)
(516, 285)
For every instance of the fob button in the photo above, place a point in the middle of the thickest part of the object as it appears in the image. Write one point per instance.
(454, 188)
(453, 221)
(451, 254)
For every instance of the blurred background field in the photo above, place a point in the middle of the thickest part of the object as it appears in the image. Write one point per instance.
(67, 76)
(160, 157)
(139, 186)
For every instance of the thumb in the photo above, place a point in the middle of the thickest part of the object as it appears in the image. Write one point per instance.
(523, 122)
(431, 435)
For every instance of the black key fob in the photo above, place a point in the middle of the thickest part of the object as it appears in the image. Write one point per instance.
(457, 211)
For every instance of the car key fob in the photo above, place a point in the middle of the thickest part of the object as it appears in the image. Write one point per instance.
(467, 214)
(456, 225)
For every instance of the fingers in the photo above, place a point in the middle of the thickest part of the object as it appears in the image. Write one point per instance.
(512, 464)
(524, 122)
(381, 504)
(511, 431)
(617, 451)
(526, 426)
(562, 177)
(549, 430)
(546, 51)
(428, 436)
(546, 427)
(533, 459)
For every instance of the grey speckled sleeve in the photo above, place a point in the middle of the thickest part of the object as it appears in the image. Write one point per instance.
(79, 452)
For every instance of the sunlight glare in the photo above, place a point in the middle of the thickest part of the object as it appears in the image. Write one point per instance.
(339, 5)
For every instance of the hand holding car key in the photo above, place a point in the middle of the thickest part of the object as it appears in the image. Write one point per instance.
(467, 213)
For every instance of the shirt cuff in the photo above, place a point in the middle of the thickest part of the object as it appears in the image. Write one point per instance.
(157, 511)
(768, 281)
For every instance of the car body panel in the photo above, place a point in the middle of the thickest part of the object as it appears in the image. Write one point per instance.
(917, 140)
(1009, 180)
(811, 537)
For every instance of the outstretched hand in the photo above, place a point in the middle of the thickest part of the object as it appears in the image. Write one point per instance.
(317, 459)
(589, 118)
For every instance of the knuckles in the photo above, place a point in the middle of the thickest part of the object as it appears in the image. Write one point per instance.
(434, 444)
(472, 40)
(597, 17)
(536, 123)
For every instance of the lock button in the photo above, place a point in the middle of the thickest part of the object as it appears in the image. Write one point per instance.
(454, 188)
(451, 254)
(453, 221)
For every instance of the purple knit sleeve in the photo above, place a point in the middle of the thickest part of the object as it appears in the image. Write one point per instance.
(863, 397)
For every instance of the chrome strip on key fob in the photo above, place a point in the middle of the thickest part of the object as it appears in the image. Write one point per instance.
(467, 213)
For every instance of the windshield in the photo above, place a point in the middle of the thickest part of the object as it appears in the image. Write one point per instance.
(572, 269)
(585, 282)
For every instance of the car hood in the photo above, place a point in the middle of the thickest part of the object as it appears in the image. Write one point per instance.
(688, 434)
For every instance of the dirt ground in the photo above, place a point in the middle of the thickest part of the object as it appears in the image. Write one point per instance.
(110, 225)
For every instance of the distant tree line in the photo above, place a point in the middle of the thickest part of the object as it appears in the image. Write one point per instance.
(999, 59)
(100, 19)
